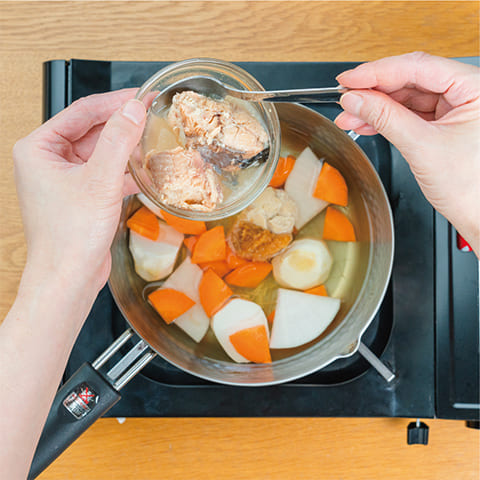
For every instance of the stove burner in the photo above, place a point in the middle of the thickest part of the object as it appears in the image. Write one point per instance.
(427, 329)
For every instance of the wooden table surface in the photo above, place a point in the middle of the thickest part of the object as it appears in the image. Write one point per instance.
(141, 449)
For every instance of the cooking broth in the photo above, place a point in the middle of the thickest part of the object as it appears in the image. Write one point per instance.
(350, 260)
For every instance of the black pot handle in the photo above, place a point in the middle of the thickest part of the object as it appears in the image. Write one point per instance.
(84, 398)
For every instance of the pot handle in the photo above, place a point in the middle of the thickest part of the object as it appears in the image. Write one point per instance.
(375, 362)
(84, 398)
(353, 135)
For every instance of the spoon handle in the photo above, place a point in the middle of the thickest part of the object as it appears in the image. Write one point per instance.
(307, 95)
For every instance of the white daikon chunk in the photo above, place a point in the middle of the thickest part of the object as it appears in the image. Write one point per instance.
(155, 260)
(236, 315)
(301, 317)
(300, 186)
(186, 279)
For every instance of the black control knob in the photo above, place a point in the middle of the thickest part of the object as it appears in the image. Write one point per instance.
(473, 424)
(417, 433)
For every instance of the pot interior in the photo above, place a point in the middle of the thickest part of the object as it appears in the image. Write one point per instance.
(359, 276)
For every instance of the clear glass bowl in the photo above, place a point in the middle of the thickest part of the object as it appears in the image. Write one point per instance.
(231, 75)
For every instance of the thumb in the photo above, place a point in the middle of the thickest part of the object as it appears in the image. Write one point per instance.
(398, 124)
(117, 141)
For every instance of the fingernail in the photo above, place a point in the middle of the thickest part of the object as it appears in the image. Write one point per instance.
(134, 110)
(351, 103)
(337, 78)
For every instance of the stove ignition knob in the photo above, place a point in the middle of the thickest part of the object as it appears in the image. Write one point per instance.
(417, 433)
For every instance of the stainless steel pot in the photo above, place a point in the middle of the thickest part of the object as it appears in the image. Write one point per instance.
(300, 127)
(361, 297)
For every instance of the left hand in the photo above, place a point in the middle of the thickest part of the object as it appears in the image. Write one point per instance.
(70, 177)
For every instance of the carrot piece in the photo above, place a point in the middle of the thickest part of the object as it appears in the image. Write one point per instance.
(170, 303)
(284, 167)
(249, 275)
(320, 290)
(252, 343)
(220, 267)
(145, 223)
(190, 242)
(271, 317)
(337, 226)
(233, 259)
(331, 186)
(210, 246)
(213, 291)
(182, 225)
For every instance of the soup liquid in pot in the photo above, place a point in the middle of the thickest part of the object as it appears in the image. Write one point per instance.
(350, 261)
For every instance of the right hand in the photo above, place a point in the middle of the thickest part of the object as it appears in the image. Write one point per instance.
(429, 108)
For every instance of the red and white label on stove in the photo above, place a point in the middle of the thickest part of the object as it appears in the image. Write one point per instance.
(80, 401)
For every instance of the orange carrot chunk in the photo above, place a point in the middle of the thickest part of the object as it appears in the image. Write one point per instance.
(284, 167)
(145, 223)
(210, 246)
(220, 267)
(190, 242)
(320, 290)
(249, 275)
(233, 259)
(271, 317)
(331, 186)
(170, 303)
(182, 225)
(252, 343)
(337, 226)
(213, 291)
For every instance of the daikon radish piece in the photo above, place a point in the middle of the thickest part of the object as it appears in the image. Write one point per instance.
(155, 260)
(301, 184)
(301, 317)
(150, 205)
(186, 278)
(305, 264)
(236, 315)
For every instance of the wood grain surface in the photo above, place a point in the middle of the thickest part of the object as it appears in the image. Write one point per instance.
(33, 32)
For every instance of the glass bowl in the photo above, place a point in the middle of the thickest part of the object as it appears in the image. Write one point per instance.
(231, 75)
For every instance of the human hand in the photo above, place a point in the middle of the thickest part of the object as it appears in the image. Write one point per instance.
(70, 177)
(429, 108)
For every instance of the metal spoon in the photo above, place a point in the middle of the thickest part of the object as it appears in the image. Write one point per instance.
(213, 87)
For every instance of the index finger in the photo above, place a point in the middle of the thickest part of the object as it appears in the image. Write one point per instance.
(87, 112)
(418, 69)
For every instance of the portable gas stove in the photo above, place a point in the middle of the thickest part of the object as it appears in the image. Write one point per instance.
(424, 340)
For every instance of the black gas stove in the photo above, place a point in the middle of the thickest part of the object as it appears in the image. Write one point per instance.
(426, 332)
